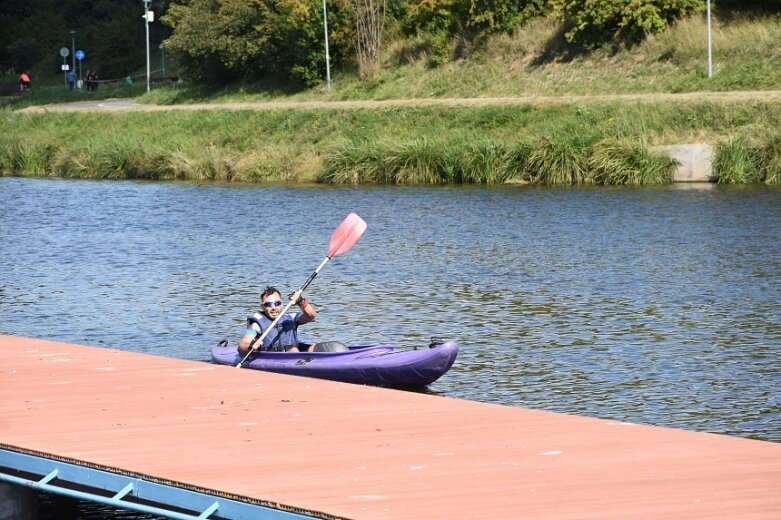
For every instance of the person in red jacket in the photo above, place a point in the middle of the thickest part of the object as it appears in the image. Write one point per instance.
(24, 82)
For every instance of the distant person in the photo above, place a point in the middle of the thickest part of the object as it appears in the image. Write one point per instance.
(129, 79)
(284, 336)
(24, 82)
(71, 76)
(88, 80)
(94, 81)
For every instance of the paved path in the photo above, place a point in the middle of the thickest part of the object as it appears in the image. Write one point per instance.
(125, 105)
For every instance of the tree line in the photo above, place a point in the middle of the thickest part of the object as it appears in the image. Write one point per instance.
(251, 40)
(110, 32)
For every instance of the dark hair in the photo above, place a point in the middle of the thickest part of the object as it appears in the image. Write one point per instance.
(268, 291)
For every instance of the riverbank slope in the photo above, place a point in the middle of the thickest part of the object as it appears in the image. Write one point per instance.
(507, 114)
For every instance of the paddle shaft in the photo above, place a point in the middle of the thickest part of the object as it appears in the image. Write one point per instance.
(259, 339)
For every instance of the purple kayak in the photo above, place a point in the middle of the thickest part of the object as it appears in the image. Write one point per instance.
(376, 365)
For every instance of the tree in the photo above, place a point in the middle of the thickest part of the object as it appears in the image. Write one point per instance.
(369, 23)
(596, 22)
(34, 37)
(217, 40)
(471, 21)
(111, 32)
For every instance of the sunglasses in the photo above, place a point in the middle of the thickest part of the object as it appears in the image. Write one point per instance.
(274, 303)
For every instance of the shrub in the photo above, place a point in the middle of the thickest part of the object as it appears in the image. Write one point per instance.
(620, 21)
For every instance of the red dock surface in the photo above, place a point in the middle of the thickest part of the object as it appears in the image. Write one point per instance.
(366, 453)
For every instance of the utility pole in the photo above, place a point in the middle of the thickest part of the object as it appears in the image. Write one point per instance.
(147, 15)
(710, 51)
(327, 57)
(73, 51)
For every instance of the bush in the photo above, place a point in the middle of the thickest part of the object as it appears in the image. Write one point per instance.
(620, 21)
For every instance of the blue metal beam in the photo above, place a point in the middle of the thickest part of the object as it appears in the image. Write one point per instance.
(116, 490)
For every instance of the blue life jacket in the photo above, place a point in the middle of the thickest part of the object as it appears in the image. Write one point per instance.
(284, 334)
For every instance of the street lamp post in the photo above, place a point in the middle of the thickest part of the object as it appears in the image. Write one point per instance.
(146, 18)
(73, 51)
(327, 57)
(710, 52)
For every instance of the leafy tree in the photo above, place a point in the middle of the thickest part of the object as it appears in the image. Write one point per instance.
(596, 22)
(469, 20)
(746, 6)
(217, 40)
(111, 32)
(34, 37)
(476, 17)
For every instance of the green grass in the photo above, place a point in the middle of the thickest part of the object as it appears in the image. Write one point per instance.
(750, 158)
(579, 142)
(607, 143)
(534, 61)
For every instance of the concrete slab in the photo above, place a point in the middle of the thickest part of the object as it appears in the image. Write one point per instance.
(695, 162)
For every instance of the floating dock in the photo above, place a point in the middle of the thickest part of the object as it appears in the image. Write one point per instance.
(204, 441)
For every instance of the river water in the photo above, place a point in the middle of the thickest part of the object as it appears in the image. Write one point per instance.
(655, 305)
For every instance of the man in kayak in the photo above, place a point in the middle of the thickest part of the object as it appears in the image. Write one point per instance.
(283, 336)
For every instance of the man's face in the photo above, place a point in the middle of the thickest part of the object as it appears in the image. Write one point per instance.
(272, 305)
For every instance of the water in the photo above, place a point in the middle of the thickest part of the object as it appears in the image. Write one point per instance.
(653, 305)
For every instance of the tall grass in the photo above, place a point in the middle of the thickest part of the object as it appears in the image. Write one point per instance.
(628, 161)
(741, 159)
(736, 162)
(770, 159)
(557, 162)
(561, 162)
(30, 158)
(596, 143)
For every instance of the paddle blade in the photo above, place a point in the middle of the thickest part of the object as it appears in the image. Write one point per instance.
(346, 235)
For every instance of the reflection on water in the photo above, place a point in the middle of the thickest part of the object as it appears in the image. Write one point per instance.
(650, 305)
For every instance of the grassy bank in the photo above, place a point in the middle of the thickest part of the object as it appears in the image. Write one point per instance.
(536, 61)
(600, 142)
(607, 143)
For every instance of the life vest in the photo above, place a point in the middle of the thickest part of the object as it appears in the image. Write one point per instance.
(284, 334)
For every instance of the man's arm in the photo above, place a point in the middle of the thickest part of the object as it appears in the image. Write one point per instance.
(245, 342)
(308, 311)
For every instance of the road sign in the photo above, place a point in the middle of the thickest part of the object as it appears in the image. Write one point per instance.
(64, 52)
(79, 55)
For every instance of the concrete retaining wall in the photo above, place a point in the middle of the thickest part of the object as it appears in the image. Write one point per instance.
(695, 162)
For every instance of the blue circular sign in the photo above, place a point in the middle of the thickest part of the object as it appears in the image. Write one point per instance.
(79, 55)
